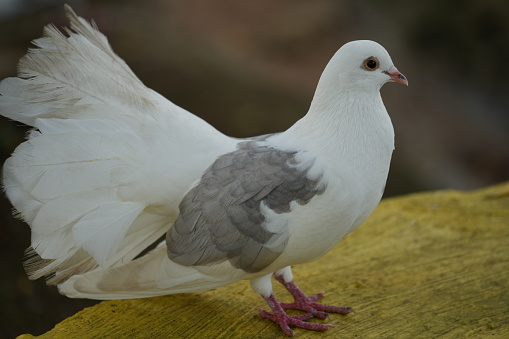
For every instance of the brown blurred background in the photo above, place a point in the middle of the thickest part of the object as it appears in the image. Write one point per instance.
(250, 67)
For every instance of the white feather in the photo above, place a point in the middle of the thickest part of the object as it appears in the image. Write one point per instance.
(101, 153)
(56, 219)
(101, 231)
(150, 275)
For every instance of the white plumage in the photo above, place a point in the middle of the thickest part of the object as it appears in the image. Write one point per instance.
(102, 176)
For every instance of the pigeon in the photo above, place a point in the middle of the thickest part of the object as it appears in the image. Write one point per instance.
(129, 195)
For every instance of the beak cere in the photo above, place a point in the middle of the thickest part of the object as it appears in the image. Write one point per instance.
(396, 76)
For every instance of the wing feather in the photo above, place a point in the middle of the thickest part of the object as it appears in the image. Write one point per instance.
(236, 211)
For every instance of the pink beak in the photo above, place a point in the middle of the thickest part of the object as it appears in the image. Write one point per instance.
(396, 76)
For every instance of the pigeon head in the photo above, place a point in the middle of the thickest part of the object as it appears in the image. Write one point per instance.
(361, 64)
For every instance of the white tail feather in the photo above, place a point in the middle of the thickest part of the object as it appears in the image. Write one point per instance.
(149, 276)
(94, 231)
(101, 176)
(52, 85)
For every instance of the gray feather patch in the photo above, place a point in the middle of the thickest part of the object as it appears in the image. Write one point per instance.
(222, 219)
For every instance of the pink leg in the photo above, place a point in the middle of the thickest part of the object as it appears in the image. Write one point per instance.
(284, 320)
(308, 304)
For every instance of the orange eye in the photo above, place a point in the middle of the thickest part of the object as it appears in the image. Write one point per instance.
(370, 64)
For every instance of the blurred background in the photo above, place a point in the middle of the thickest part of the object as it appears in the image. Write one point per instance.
(251, 67)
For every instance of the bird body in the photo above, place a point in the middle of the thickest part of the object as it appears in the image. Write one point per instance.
(112, 166)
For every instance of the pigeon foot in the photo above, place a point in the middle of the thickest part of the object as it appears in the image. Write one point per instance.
(308, 304)
(284, 320)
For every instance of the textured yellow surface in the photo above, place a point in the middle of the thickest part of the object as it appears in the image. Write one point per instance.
(423, 266)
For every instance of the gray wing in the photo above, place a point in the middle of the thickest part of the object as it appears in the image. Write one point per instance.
(222, 217)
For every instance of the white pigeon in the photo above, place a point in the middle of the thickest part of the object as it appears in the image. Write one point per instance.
(111, 166)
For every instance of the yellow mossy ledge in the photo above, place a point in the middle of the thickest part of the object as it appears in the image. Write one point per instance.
(423, 266)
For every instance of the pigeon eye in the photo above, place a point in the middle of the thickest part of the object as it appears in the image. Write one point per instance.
(370, 64)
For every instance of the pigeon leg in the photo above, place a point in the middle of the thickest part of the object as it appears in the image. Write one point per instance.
(284, 320)
(308, 304)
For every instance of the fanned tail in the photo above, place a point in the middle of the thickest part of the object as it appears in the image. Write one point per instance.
(101, 175)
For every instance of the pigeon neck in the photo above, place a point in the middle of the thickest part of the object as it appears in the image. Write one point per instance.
(344, 123)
